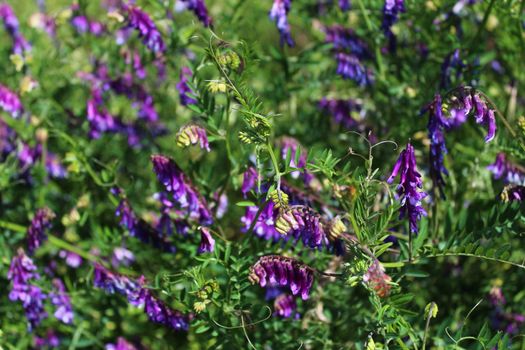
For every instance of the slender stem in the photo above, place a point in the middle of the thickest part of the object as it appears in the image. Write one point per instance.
(12, 226)
(427, 325)
(409, 245)
(432, 256)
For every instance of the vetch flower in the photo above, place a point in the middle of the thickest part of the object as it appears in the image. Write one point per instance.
(284, 305)
(344, 5)
(59, 298)
(249, 180)
(21, 272)
(409, 188)
(345, 39)
(506, 170)
(10, 102)
(391, 11)
(141, 22)
(513, 193)
(72, 259)
(7, 140)
(342, 111)
(192, 134)
(350, 67)
(438, 148)
(452, 61)
(112, 282)
(484, 115)
(265, 225)
(207, 244)
(198, 7)
(50, 340)
(282, 271)
(279, 14)
(11, 25)
(185, 91)
(377, 279)
(122, 344)
(122, 257)
(302, 223)
(36, 233)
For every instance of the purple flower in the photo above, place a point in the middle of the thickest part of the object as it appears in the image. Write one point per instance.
(265, 225)
(512, 193)
(112, 282)
(438, 148)
(506, 170)
(199, 9)
(72, 259)
(36, 233)
(141, 21)
(182, 190)
(140, 229)
(122, 344)
(80, 23)
(207, 244)
(279, 14)
(302, 223)
(409, 187)
(100, 120)
(59, 298)
(54, 167)
(249, 180)
(185, 92)
(21, 272)
(7, 140)
(350, 67)
(10, 102)
(11, 25)
(344, 5)
(345, 39)
(341, 111)
(279, 270)
(50, 340)
(285, 305)
(452, 61)
(496, 297)
(122, 257)
(192, 134)
(391, 11)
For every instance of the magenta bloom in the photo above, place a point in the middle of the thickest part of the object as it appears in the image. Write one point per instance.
(409, 187)
(11, 25)
(279, 14)
(302, 223)
(62, 302)
(275, 270)
(207, 244)
(185, 92)
(285, 305)
(21, 272)
(72, 259)
(10, 102)
(141, 22)
(36, 233)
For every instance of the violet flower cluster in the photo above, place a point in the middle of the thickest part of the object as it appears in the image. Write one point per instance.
(185, 92)
(12, 26)
(29, 156)
(409, 188)
(506, 170)
(36, 233)
(264, 227)
(302, 223)
(250, 178)
(198, 7)
(182, 190)
(83, 25)
(275, 270)
(140, 229)
(391, 11)
(21, 273)
(192, 134)
(140, 296)
(10, 102)
(279, 14)
(144, 25)
(350, 51)
(62, 302)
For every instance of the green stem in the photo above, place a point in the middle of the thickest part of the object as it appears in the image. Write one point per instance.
(521, 266)
(12, 226)
(57, 242)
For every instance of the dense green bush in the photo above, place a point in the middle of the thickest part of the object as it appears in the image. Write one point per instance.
(228, 174)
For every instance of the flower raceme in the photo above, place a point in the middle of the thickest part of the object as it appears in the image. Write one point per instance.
(10, 102)
(193, 134)
(142, 22)
(184, 89)
(409, 188)
(279, 14)
(504, 169)
(279, 270)
(36, 233)
(302, 223)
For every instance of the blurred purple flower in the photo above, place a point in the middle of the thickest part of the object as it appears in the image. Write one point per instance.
(438, 148)
(7, 140)
(249, 180)
(141, 22)
(122, 344)
(11, 25)
(36, 233)
(506, 170)
(341, 111)
(279, 14)
(199, 9)
(391, 11)
(50, 340)
(285, 305)
(452, 61)
(278, 270)
(10, 102)
(345, 39)
(185, 91)
(207, 244)
(350, 67)
(122, 257)
(72, 259)
(409, 187)
(59, 298)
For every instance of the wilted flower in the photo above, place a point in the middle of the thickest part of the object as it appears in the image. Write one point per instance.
(377, 279)
(283, 271)
(199, 9)
(59, 298)
(122, 344)
(10, 102)
(207, 242)
(36, 233)
(185, 91)
(140, 229)
(21, 272)
(141, 21)
(506, 170)
(285, 305)
(409, 187)
(180, 187)
(192, 134)
(302, 223)
(279, 14)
